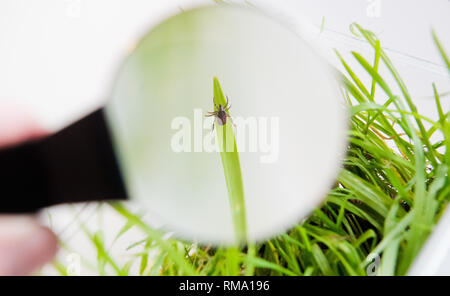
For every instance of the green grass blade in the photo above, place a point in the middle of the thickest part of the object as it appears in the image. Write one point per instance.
(231, 168)
(441, 50)
(262, 263)
(174, 255)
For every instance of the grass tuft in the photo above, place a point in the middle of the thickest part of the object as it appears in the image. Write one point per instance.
(389, 195)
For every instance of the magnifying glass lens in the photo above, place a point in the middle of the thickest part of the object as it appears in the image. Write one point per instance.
(285, 109)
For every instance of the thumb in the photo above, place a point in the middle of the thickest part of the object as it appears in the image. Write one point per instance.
(24, 245)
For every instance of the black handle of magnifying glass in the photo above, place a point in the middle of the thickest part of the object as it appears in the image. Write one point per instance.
(77, 164)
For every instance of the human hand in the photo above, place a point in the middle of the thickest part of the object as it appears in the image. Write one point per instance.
(24, 244)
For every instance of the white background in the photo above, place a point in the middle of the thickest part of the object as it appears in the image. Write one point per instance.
(57, 59)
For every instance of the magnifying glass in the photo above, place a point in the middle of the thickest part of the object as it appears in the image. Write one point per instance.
(158, 139)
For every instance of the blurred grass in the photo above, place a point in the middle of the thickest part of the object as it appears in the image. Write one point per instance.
(389, 195)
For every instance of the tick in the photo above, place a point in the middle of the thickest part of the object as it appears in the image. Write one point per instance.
(221, 113)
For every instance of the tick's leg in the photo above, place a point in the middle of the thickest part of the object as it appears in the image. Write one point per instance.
(226, 105)
(214, 103)
(211, 114)
(232, 122)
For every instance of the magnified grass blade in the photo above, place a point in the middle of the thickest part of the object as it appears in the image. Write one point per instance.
(231, 167)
